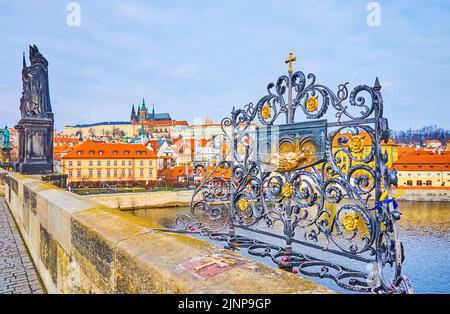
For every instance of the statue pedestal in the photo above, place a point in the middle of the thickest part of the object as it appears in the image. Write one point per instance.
(35, 145)
(5, 155)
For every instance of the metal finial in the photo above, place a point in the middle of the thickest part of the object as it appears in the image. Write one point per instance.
(377, 85)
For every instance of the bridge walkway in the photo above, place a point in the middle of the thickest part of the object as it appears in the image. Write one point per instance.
(18, 274)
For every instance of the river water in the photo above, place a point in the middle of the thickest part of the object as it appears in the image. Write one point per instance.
(424, 230)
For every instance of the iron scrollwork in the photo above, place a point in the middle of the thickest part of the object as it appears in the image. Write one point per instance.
(334, 205)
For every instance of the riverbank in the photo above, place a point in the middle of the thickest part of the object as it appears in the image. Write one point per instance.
(428, 194)
(161, 199)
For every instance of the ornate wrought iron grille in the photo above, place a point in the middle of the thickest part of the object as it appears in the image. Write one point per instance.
(301, 187)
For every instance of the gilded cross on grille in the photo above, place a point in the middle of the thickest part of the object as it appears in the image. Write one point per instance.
(213, 260)
(290, 60)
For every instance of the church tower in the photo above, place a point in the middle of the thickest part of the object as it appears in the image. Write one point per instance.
(133, 117)
(143, 111)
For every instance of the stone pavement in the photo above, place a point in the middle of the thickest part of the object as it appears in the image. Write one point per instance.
(17, 273)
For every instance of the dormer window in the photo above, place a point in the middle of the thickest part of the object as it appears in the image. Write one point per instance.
(126, 152)
(91, 152)
(79, 153)
(115, 152)
(100, 152)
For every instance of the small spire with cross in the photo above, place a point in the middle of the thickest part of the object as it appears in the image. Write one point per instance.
(290, 60)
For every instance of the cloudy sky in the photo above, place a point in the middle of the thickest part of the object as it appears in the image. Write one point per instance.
(200, 58)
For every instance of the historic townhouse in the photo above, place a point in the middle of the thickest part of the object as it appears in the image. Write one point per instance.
(422, 170)
(96, 163)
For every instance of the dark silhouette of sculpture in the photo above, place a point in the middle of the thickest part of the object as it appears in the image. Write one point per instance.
(35, 128)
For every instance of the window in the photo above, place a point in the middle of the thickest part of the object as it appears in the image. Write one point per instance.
(100, 152)
(150, 172)
(141, 172)
(115, 162)
(123, 162)
(123, 172)
(99, 173)
(419, 183)
(150, 163)
(141, 163)
(126, 152)
(79, 163)
(79, 153)
(130, 172)
(115, 172)
(70, 163)
(428, 183)
(99, 163)
(108, 162)
(129, 163)
(90, 173)
(115, 152)
(79, 173)
(409, 183)
(90, 163)
(70, 173)
(108, 173)
(91, 152)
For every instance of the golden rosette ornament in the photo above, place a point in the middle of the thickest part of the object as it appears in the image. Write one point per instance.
(356, 144)
(240, 149)
(350, 222)
(266, 112)
(287, 190)
(312, 104)
(242, 204)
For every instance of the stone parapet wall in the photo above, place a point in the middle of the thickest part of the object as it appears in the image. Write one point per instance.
(129, 201)
(145, 200)
(3, 174)
(81, 246)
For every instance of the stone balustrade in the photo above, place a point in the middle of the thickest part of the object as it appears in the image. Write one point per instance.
(81, 246)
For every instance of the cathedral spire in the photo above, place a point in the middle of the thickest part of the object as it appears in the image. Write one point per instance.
(143, 107)
(24, 61)
(133, 114)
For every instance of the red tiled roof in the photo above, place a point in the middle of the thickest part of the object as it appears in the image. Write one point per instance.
(408, 150)
(175, 172)
(91, 149)
(423, 162)
(65, 139)
(60, 149)
(166, 122)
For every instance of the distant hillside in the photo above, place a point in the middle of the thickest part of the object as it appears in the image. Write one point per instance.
(418, 136)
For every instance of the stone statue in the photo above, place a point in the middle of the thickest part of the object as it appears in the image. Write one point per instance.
(5, 142)
(35, 99)
(35, 129)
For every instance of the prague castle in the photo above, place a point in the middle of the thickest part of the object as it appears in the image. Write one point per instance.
(141, 123)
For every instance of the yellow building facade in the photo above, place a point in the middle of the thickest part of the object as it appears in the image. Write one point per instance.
(92, 163)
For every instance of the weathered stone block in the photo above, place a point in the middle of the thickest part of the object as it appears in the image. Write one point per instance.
(61, 205)
(48, 253)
